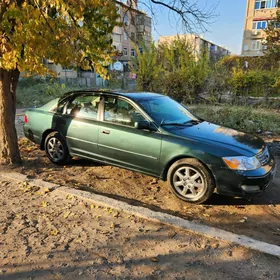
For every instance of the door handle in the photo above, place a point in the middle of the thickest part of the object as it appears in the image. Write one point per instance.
(105, 131)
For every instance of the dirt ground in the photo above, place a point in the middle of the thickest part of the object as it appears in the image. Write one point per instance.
(259, 218)
(47, 235)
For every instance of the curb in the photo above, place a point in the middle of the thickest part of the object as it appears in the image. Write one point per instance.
(159, 217)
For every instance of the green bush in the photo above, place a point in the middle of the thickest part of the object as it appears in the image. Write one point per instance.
(241, 118)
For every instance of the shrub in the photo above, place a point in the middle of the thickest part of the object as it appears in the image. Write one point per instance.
(241, 118)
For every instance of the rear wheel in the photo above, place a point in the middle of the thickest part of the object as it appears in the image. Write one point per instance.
(190, 181)
(56, 148)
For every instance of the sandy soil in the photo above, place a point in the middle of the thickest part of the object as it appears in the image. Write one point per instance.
(259, 218)
(46, 235)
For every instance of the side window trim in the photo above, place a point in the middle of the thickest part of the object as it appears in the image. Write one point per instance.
(122, 99)
(135, 107)
(72, 99)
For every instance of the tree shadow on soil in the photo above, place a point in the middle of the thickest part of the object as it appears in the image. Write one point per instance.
(98, 262)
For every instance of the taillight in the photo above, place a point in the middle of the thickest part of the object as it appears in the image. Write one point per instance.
(25, 119)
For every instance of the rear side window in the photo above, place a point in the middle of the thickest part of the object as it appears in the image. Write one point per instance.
(84, 106)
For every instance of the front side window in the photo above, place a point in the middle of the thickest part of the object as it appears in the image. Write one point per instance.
(119, 111)
(164, 110)
(84, 106)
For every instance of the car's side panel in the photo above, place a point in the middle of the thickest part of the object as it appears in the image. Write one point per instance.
(177, 147)
(130, 147)
(81, 135)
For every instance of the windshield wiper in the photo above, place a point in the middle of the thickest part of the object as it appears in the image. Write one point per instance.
(171, 123)
(189, 122)
(192, 122)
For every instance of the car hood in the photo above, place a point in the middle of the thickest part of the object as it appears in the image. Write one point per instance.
(239, 143)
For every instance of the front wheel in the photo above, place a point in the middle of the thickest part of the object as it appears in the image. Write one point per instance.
(56, 148)
(190, 180)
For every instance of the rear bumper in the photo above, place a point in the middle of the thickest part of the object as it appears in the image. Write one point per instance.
(245, 184)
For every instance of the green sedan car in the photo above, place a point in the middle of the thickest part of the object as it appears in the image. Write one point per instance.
(152, 134)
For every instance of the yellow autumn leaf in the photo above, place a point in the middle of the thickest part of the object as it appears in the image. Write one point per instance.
(54, 232)
(44, 204)
(66, 215)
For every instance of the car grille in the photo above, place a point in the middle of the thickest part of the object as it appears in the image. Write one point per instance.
(264, 156)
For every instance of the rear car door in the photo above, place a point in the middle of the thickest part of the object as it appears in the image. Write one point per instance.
(121, 143)
(81, 124)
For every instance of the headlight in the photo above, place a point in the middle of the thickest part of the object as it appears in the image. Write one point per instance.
(242, 163)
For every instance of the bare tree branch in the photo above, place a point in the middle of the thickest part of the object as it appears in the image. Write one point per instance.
(190, 15)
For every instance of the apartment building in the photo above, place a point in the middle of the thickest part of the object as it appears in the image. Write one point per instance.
(136, 30)
(258, 15)
(199, 44)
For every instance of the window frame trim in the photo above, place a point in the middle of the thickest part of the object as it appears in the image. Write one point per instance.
(134, 105)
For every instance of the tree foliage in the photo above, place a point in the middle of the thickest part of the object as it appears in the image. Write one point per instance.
(173, 69)
(66, 32)
(74, 32)
(273, 39)
(147, 68)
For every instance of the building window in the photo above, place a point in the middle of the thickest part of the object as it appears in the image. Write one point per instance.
(265, 4)
(259, 24)
(132, 53)
(118, 9)
(67, 69)
(256, 45)
(140, 20)
(125, 20)
(125, 36)
(132, 36)
(116, 38)
(124, 51)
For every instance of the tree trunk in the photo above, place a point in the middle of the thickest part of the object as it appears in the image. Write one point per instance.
(9, 151)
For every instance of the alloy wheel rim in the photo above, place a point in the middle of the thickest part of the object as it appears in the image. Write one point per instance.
(189, 183)
(55, 149)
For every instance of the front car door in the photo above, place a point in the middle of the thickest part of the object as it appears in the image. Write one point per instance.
(121, 143)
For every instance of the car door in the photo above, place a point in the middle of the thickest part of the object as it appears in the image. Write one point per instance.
(81, 124)
(119, 142)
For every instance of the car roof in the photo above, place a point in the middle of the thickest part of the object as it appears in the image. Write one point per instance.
(131, 95)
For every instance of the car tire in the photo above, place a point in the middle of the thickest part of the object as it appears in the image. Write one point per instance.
(56, 148)
(190, 180)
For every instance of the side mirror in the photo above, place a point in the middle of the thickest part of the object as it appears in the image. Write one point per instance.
(144, 125)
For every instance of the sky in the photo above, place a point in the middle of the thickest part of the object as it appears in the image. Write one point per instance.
(226, 29)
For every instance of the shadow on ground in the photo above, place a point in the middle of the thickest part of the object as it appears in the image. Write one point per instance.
(258, 218)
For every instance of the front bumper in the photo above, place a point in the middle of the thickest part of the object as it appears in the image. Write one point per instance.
(245, 184)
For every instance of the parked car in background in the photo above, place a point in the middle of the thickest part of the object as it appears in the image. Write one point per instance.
(155, 135)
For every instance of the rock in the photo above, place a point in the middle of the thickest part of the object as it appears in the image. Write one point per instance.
(153, 182)
(215, 245)
(268, 133)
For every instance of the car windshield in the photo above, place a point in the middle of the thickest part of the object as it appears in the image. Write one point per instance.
(166, 111)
